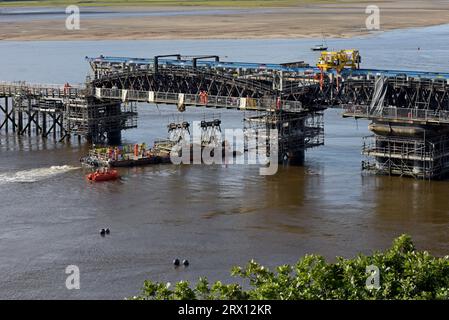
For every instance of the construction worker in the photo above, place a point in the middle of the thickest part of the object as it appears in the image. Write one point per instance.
(66, 88)
(278, 103)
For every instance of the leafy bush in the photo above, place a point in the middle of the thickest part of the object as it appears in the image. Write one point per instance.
(405, 273)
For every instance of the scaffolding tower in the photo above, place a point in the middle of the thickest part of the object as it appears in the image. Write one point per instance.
(296, 133)
(99, 120)
(421, 157)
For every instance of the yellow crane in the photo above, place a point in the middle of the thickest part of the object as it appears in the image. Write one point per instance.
(339, 60)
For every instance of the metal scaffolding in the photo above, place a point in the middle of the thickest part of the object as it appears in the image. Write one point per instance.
(418, 157)
(99, 120)
(296, 132)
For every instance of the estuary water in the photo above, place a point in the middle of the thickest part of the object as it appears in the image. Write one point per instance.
(214, 216)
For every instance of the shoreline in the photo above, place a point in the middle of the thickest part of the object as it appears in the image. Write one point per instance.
(302, 37)
(304, 21)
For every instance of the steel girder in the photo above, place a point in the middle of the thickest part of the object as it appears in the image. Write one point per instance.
(192, 81)
(183, 81)
(430, 95)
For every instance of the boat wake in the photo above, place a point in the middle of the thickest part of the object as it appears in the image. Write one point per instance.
(34, 175)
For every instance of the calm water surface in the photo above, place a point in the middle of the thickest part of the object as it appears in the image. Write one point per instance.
(215, 216)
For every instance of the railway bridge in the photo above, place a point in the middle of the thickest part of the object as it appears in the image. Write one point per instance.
(409, 110)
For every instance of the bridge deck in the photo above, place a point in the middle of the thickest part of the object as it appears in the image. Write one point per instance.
(268, 67)
(199, 101)
(402, 115)
(59, 92)
(11, 89)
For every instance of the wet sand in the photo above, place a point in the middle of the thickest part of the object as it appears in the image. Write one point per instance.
(340, 20)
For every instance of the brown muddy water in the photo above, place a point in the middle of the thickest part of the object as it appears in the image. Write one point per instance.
(214, 216)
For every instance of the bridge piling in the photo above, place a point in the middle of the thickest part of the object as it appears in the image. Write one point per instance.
(409, 121)
(6, 114)
(20, 124)
(296, 132)
(13, 119)
(44, 124)
(419, 151)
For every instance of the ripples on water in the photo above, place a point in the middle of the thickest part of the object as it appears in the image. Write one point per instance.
(216, 216)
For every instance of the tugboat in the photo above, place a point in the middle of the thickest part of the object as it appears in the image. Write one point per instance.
(103, 175)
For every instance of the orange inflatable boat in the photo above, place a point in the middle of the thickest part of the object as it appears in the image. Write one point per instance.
(103, 175)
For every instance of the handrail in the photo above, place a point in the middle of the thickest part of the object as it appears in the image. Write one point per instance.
(263, 104)
(393, 113)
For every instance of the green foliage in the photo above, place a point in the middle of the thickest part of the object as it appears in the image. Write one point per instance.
(405, 273)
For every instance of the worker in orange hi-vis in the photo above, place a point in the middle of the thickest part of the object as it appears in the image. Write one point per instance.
(136, 150)
(66, 88)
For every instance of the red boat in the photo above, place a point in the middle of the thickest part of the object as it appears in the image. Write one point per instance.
(103, 175)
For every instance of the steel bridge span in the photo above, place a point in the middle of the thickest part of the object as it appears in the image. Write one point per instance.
(409, 110)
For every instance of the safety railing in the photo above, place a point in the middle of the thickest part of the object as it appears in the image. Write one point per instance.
(395, 151)
(400, 114)
(41, 90)
(262, 104)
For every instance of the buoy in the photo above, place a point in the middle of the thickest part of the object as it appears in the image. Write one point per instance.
(185, 262)
(176, 262)
(107, 231)
(102, 232)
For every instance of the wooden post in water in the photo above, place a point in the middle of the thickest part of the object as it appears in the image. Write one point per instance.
(36, 122)
(29, 122)
(54, 126)
(6, 114)
(61, 127)
(20, 115)
(44, 124)
(13, 111)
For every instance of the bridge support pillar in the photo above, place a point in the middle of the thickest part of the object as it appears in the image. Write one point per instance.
(420, 151)
(114, 137)
(6, 114)
(99, 120)
(296, 132)
(44, 124)
(20, 121)
(13, 118)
